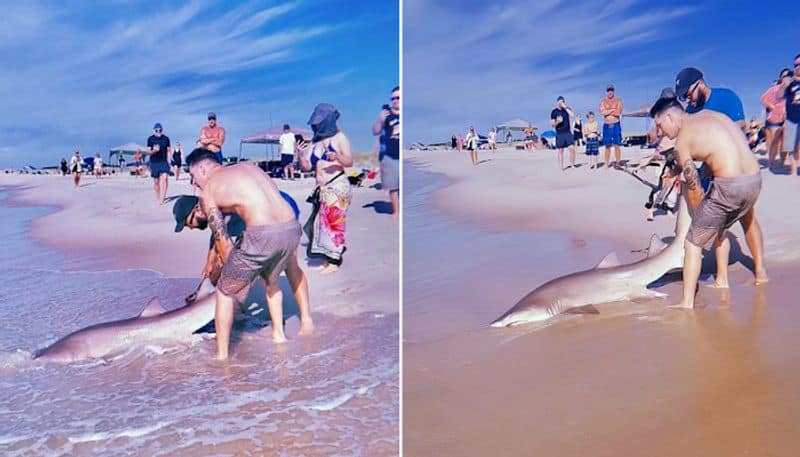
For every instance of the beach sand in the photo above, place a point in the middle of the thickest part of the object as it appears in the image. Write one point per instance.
(99, 252)
(636, 379)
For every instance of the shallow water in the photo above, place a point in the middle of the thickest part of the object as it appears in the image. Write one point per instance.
(334, 393)
(636, 379)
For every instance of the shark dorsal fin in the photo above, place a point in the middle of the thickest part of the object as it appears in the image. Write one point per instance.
(656, 246)
(153, 308)
(611, 260)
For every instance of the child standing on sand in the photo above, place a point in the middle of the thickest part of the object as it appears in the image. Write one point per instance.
(590, 132)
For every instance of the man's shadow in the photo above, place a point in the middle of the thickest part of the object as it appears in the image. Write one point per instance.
(380, 206)
(253, 312)
(708, 266)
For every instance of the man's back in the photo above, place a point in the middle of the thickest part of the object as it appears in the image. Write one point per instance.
(245, 190)
(713, 138)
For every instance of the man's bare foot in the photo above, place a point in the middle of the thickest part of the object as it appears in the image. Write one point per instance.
(682, 305)
(306, 327)
(330, 269)
(717, 284)
(279, 338)
(221, 356)
(761, 279)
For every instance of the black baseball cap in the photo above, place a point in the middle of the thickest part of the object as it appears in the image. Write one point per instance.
(685, 79)
(212, 115)
(183, 206)
(609, 87)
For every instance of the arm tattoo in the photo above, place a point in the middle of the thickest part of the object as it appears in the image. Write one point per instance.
(691, 176)
(217, 223)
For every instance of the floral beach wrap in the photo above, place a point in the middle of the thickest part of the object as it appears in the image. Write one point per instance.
(326, 225)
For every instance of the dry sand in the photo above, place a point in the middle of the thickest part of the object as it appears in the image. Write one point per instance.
(637, 379)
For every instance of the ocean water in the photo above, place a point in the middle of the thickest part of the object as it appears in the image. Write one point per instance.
(333, 393)
(458, 276)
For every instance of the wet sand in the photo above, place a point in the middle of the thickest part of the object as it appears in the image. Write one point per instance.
(636, 379)
(98, 253)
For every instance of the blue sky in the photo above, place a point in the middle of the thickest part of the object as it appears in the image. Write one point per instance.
(92, 75)
(482, 63)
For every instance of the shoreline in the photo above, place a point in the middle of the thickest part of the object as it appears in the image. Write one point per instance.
(115, 224)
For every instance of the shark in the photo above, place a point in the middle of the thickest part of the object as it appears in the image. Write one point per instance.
(152, 324)
(609, 281)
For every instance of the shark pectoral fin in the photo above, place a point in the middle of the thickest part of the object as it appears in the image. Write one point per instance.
(656, 245)
(205, 287)
(153, 308)
(611, 260)
(586, 309)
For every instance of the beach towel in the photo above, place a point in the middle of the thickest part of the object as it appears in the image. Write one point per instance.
(325, 227)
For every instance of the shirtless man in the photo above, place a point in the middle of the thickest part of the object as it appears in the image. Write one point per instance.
(267, 247)
(212, 137)
(714, 139)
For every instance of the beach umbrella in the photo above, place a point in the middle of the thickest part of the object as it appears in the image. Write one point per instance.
(548, 134)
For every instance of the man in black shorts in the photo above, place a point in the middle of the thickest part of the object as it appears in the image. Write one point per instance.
(559, 119)
(159, 148)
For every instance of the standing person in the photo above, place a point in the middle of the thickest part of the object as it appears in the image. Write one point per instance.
(611, 110)
(460, 143)
(189, 213)
(212, 136)
(577, 131)
(64, 169)
(98, 166)
(159, 149)
(137, 162)
(529, 139)
(509, 136)
(453, 141)
(690, 86)
(791, 132)
(287, 143)
(493, 139)
(267, 247)
(121, 162)
(714, 139)
(773, 101)
(559, 119)
(472, 145)
(591, 132)
(76, 166)
(388, 127)
(329, 154)
(177, 160)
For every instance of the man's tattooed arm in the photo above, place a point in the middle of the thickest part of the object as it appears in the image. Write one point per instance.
(691, 177)
(219, 229)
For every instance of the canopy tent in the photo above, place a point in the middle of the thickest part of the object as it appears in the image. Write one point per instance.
(127, 148)
(642, 112)
(272, 136)
(512, 125)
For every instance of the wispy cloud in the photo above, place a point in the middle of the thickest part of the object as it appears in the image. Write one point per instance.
(82, 79)
(482, 64)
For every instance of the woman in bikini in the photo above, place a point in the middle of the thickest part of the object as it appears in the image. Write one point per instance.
(328, 155)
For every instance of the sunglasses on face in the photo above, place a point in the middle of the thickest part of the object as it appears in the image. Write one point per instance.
(158, 130)
(395, 98)
(689, 92)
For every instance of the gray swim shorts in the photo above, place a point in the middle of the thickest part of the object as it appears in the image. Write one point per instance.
(727, 201)
(261, 251)
(390, 174)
